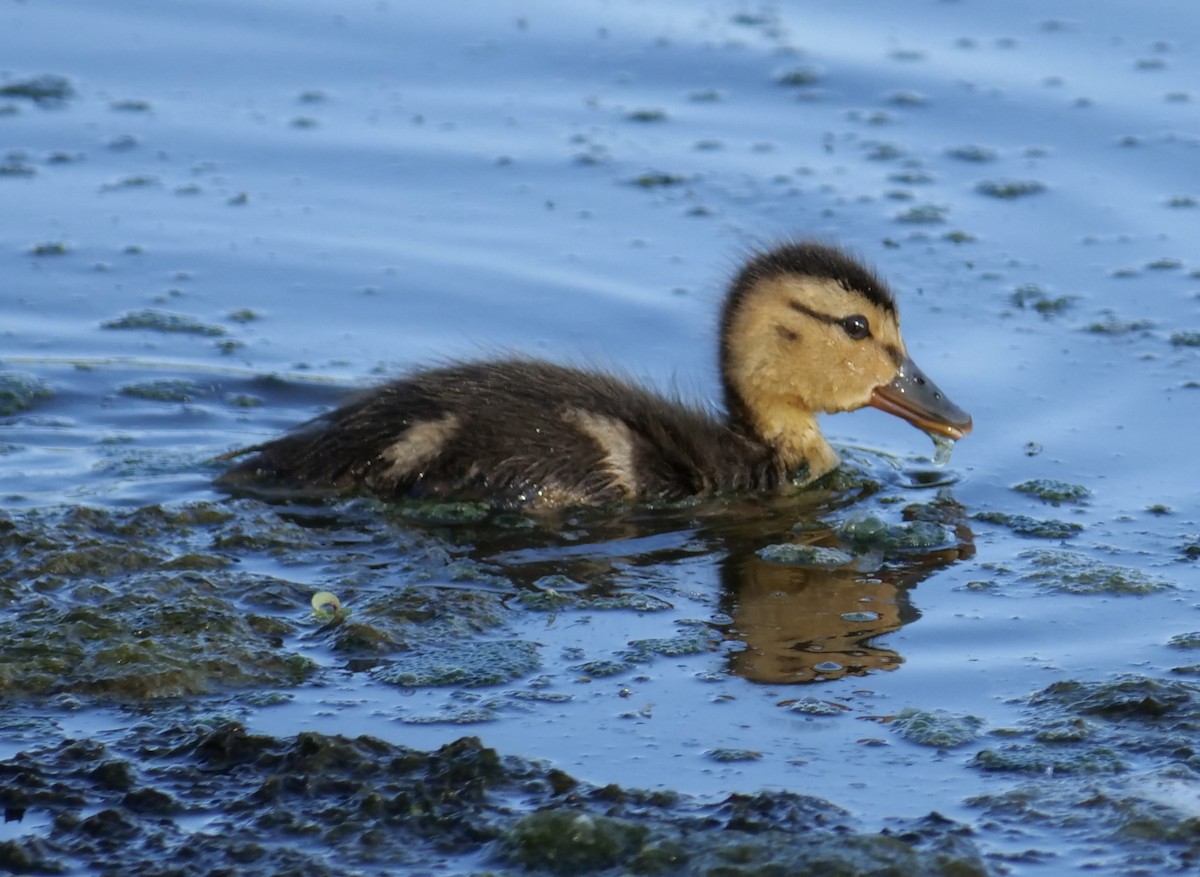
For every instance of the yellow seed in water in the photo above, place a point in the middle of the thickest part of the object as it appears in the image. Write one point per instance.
(326, 602)
(944, 447)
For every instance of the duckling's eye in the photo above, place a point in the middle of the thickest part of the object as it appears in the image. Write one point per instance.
(856, 327)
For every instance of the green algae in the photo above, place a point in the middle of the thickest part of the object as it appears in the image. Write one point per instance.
(1189, 338)
(1009, 190)
(812, 706)
(692, 642)
(162, 321)
(1123, 697)
(361, 803)
(130, 105)
(416, 619)
(799, 77)
(46, 89)
(469, 665)
(20, 392)
(45, 248)
(869, 533)
(646, 115)
(557, 601)
(547, 601)
(791, 554)
(1034, 297)
(1037, 759)
(923, 214)
(162, 390)
(566, 842)
(155, 638)
(1131, 822)
(136, 606)
(1109, 763)
(450, 513)
(17, 166)
(1066, 730)
(658, 180)
(972, 153)
(937, 728)
(726, 755)
(1067, 572)
(465, 572)
(1185, 640)
(1023, 525)
(1113, 325)
(1054, 492)
(601, 668)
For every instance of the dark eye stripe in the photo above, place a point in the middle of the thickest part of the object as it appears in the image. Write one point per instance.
(842, 322)
(816, 315)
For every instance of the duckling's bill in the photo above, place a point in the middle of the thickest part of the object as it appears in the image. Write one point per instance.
(916, 398)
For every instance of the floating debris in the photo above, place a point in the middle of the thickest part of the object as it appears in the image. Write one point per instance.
(924, 214)
(50, 248)
(46, 89)
(161, 321)
(868, 533)
(1033, 758)
(791, 554)
(326, 604)
(162, 390)
(646, 115)
(1054, 492)
(799, 77)
(1023, 525)
(19, 392)
(1111, 325)
(470, 664)
(1034, 297)
(1185, 640)
(937, 728)
(1009, 189)
(1067, 572)
(658, 180)
(972, 153)
(725, 754)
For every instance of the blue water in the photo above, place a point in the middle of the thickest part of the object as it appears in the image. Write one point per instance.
(385, 184)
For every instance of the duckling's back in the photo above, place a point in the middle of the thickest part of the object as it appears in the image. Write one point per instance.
(517, 433)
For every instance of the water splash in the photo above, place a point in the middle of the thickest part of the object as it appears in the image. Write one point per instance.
(943, 448)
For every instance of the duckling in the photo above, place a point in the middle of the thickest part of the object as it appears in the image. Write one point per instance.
(805, 329)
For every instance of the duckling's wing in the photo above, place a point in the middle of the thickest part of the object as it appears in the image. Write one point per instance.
(513, 432)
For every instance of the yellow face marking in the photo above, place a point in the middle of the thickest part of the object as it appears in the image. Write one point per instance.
(791, 354)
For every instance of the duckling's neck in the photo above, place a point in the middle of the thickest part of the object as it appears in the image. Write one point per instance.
(797, 440)
(792, 433)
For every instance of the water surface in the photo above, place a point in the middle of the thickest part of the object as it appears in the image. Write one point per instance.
(228, 214)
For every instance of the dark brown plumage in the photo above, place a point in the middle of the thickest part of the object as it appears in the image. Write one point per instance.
(805, 329)
(513, 432)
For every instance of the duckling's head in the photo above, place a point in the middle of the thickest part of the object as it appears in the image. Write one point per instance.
(809, 329)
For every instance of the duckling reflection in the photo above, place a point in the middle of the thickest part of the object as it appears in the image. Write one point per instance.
(797, 623)
(808, 624)
(806, 329)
